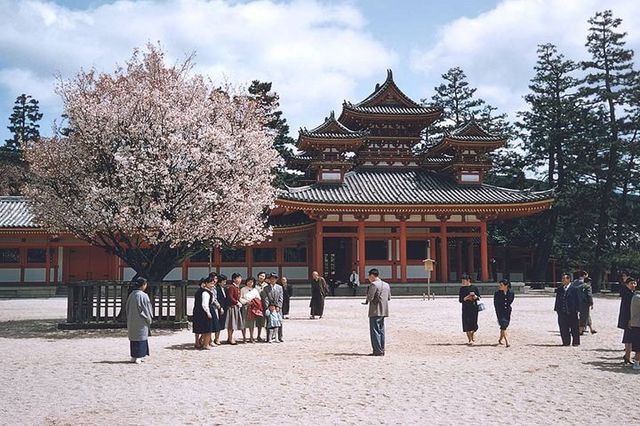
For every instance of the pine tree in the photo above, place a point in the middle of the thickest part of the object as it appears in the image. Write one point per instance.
(270, 101)
(547, 128)
(456, 98)
(609, 78)
(24, 122)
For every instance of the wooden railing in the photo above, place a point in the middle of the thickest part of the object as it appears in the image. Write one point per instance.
(101, 304)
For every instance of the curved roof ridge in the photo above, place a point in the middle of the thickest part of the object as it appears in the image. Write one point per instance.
(472, 124)
(332, 121)
(380, 89)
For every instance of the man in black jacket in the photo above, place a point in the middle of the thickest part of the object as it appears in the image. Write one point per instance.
(567, 306)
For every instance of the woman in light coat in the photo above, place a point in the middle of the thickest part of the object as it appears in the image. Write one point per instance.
(139, 317)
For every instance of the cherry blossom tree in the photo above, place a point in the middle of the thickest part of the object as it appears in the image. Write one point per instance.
(155, 164)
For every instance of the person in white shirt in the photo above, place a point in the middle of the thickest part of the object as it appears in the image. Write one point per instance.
(354, 281)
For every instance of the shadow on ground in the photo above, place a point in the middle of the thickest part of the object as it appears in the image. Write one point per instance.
(612, 367)
(347, 354)
(48, 329)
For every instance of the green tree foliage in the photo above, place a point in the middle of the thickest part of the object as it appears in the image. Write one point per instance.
(24, 127)
(456, 98)
(546, 130)
(270, 101)
(23, 122)
(608, 83)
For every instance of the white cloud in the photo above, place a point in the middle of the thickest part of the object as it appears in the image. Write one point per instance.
(314, 53)
(497, 49)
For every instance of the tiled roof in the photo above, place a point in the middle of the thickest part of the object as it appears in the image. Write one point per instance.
(389, 99)
(15, 213)
(471, 131)
(391, 109)
(408, 187)
(288, 220)
(333, 129)
(389, 84)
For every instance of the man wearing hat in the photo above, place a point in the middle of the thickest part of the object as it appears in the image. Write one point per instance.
(272, 294)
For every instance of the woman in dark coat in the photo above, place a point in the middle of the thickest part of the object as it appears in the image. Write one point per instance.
(627, 291)
(221, 296)
(469, 296)
(319, 291)
(205, 313)
(502, 300)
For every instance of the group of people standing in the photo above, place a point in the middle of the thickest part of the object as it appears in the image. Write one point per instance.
(219, 304)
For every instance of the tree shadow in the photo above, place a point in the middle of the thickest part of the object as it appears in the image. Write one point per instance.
(347, 354)
(612, 367)
(607, 350)
(113, 362)
(182, 347)
(546, 345)
(48, 329)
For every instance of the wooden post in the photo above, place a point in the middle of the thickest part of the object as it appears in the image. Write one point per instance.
(470, 257)
(361, 249)
(403, 250)
(47, 266)
(318, 247)
(458, 259)
(444, 250)
(484, 252)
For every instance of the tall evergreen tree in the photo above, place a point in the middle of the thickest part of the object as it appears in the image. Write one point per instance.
(609, 78)
(456, 98)
(24, 122)
(270, 101)
(546, 132)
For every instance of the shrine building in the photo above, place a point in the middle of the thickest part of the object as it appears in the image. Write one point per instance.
(367, 200)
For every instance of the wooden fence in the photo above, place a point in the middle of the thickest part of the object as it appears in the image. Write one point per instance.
(101, 304)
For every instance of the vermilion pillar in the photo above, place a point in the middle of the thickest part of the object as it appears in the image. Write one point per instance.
(319, 249)
(484, 252)
(403, 250)
(470, 257)
(458, 258)
(444, 252)
(361, 249)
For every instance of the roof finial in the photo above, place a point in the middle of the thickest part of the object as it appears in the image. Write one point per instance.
(332, 115)
(389, 74)
(377, 87)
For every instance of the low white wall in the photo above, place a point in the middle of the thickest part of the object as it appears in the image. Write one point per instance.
(9, 275)
(229, 270)
(295, 272)
(174, 275)
(35, 275)
(197, 272)
(385, 270)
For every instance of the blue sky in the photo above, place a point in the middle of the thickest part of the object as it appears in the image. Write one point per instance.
(316, 53)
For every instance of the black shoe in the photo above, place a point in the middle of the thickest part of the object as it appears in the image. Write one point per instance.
(376, 354)
(576, 344)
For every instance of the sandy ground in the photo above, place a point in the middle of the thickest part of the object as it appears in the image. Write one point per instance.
(320, 374)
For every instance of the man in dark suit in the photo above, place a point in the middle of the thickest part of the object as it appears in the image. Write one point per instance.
(567, 306)
(378, 297)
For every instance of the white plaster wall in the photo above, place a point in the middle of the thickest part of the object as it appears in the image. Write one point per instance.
(385, 270)
(197, 272)
(229, 270)
(9, 275)
(35, 275)
(295, 272)
(175, 274)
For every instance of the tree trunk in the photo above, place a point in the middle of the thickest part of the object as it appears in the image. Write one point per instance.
(544, 247)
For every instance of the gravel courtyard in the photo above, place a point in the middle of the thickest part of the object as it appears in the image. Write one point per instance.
(320, 375)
